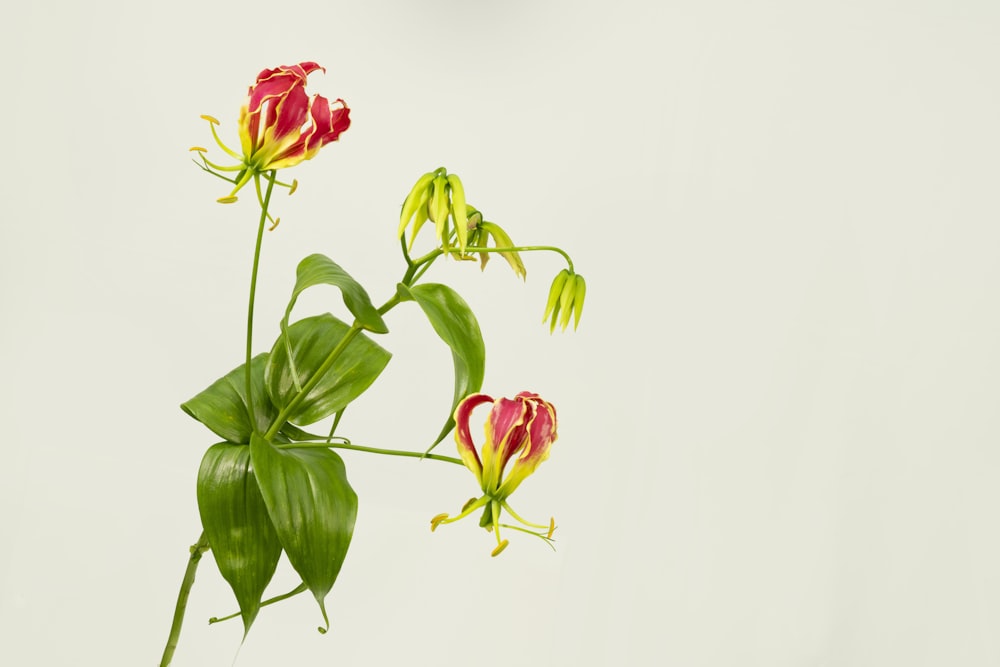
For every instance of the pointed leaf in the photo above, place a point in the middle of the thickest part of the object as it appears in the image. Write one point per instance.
(223, 406)
(239, 530)
(313, 508)
(455, 323)
(321, 270)
(312, 340)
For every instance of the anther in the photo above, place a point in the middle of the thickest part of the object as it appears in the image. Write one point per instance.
(437, 520)
(552, 527)
(210, 119)
(295, 186)
(198, 149)
(468, 503)
(231, 199)
(500, 548)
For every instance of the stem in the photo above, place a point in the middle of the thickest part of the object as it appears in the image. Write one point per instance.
(278, 598)
(372, 450)
(282, 417)
(253, 291)
(279, 421)
(197, 549)
(520, 248)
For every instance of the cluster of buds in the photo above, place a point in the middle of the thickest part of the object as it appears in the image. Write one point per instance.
(279, 126)
(565, 300)
(520, 429)
(437, 196)
(440, 197)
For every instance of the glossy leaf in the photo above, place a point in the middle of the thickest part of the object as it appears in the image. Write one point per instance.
(313, 508)
(223, 406)
(235, 519)
(321, 270)
(455, 323)
(312, 340)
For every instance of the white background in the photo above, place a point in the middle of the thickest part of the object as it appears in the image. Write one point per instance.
(779, 418)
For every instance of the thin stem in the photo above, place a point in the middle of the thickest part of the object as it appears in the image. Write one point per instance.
(372, 450)
(197, 549)
(336, 422)
(283, 416)
(520, 248)
(278, 598)
(253, 291)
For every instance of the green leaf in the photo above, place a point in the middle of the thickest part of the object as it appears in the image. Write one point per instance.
(312, 340)
(454, 322)
(223, 406)
(313, 508)
(321, 270)
(243, 539)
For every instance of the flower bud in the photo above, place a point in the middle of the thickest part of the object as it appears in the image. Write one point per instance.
(439, 197)
(565, 300)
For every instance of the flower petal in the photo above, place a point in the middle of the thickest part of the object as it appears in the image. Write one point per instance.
(505, 435)
(463, 436)
(540, 434)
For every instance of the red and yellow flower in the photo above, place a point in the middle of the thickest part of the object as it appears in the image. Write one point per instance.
(520, 432)
(280, 125)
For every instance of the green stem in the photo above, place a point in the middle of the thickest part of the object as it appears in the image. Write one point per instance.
(197, 549)
(313, 381)
(253, 290)
(278, 598)
(520, 248)
(372, 450)
(279, 421)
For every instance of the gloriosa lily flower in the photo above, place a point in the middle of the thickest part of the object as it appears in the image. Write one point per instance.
(481, 231)
(280, 125)
(437, 196)
(522, 430)
(565, 300)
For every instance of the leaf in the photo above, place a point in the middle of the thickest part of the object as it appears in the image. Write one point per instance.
(455, 323)
(321, 270)
(223, 406)
(312, 340)
(313, 508)
(243, 539)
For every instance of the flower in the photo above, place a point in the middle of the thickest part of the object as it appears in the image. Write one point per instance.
(436, 196)
(522, 430)
(566, 298)
(280, 125)
(480, 233)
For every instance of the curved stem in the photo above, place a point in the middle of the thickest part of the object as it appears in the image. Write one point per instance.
(372, 450)
(197, 549)
(277, 598)
(519, 248)
(253, 291)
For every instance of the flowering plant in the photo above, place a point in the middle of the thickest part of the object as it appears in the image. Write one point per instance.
(272, 487)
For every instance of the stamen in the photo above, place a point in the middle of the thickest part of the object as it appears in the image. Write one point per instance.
(468, 503)
(437, 520)
(210, 119)
(514, 514)
(295, 185)
(552, 527)
(500, 548)
(231, 199)
(215, 135)
(198, 149)
(271, 228)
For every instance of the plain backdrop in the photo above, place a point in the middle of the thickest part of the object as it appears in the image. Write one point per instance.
(779, 425)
